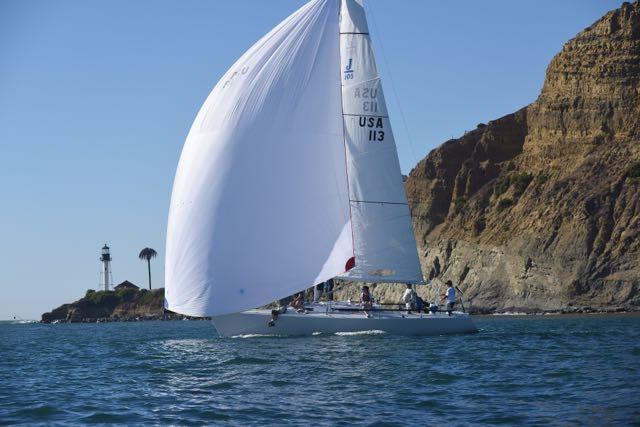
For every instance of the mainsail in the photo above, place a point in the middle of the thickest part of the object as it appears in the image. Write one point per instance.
(384, 243)
(259, 208)
(284, 180)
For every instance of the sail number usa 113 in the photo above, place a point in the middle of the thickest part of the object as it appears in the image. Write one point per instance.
(375, 127)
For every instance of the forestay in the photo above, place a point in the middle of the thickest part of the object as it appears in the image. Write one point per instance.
(385, 247)
(260, 208)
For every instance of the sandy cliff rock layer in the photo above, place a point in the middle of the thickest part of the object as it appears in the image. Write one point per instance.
(540, 209)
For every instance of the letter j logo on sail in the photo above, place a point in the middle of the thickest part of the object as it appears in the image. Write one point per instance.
(348, 71)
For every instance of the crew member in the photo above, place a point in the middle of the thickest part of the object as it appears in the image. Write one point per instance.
(450, 296)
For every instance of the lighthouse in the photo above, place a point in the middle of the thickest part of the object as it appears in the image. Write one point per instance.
(105, 273)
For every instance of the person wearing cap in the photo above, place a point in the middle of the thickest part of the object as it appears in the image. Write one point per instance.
(450, 296)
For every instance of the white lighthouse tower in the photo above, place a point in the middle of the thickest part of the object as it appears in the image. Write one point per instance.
(105, 273)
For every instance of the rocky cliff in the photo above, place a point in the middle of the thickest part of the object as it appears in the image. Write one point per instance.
(540, 209)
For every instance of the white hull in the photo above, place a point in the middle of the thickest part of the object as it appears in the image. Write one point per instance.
(255, 322)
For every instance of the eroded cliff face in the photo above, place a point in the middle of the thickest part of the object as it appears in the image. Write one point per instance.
(540, 209)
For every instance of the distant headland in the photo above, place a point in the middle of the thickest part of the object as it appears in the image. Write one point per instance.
(126, 303)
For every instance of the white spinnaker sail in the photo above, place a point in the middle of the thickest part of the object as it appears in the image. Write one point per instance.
(384, 243)
(260, 208)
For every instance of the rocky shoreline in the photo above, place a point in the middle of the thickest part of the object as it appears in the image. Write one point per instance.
(126, 305)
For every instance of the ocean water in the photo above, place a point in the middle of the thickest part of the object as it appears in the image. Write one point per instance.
(558, 370)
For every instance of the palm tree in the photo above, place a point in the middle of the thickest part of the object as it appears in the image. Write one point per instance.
(147, 254)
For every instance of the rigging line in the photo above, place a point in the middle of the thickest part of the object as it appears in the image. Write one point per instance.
(393, 86)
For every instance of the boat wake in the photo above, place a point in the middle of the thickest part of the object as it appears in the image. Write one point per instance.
(259, 336)
(370, 332)
(18, 322)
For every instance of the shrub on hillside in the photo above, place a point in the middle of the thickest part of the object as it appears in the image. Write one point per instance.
(542, 178)
(633, 171)
(126, 294)
(502, 186)
(103, 298)
(520, 182)
(458, 203)
(504, 204)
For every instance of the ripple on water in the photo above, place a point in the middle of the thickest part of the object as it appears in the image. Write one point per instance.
(106, 418)
(442, 378)
(243, 360)
(37, 412)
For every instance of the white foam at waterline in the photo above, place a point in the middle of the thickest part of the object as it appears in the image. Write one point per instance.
(370, 332)
(258, 336)
(18, 322)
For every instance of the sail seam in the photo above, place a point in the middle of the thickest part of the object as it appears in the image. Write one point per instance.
(364, 115)
(364, 34)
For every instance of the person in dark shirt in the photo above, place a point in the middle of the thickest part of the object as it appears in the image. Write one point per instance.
(366, 301)
(298, 302)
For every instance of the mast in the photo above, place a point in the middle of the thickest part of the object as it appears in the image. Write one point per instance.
(384, 244)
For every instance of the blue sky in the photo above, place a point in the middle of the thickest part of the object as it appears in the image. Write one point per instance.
(96, 98)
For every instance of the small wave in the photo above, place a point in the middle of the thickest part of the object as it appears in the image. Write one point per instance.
(239, 360)
(225, 385)
(370, 332)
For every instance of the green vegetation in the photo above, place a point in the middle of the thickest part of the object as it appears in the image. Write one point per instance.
(542, 178)
(102, 297)
(126, 294)
(520, 182)
(458, 203)
(146, 297)
(633, 171)
(113, 298)
(502, 186)
(479, 225)
(504, 204)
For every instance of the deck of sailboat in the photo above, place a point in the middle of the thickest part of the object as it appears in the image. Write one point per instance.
(294, 323)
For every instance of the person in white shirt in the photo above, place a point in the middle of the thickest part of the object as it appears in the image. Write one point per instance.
(450, 296)
(409, 298)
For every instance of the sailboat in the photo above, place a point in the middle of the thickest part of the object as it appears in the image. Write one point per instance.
(290, 176)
